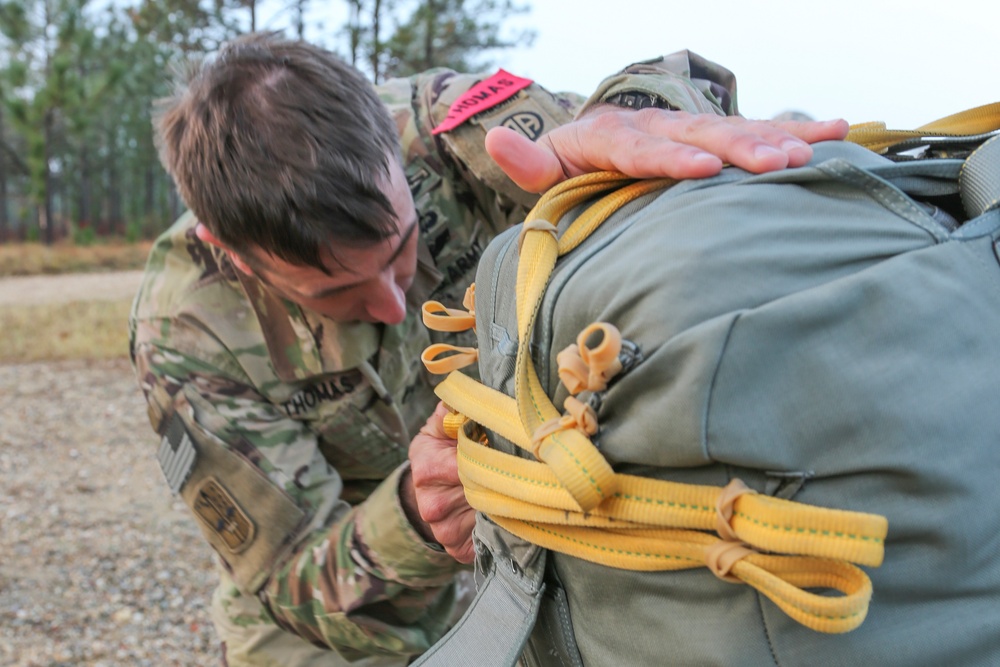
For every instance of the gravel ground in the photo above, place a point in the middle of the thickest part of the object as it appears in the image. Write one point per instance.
(99, 565)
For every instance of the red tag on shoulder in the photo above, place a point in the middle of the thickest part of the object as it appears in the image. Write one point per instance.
(485, 94)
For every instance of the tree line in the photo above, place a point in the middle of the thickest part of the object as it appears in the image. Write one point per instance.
(79, 78)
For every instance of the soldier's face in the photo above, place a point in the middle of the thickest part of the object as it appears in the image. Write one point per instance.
(368, 283)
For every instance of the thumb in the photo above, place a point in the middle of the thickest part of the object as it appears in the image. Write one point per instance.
(533, 166)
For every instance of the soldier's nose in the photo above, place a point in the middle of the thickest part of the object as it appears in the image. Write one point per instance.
(389, 305)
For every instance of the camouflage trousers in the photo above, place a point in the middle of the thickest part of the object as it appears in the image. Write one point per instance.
(251, 639)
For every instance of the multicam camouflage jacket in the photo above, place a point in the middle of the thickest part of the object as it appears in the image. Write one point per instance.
(286, 432)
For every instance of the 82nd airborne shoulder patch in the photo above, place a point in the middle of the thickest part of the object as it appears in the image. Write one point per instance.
(484, 95)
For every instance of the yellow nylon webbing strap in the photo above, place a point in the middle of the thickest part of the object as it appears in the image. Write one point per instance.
(768, 523)
(979, 120)
(569, 453)
(571, 501)
(780, 578)
(652, 525)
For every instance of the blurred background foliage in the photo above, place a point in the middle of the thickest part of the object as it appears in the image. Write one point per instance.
(78, 79)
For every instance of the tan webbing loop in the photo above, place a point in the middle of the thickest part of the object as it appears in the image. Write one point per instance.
(590, 362)
(602, 357)
(469, 300)
(578, 415)
(583, 415)
(460, 358)
(573, 373)
(723, 555)
(535, 226)
(439, 318)
(724, 508)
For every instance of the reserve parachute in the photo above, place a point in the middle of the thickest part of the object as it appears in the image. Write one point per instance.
(783, 381)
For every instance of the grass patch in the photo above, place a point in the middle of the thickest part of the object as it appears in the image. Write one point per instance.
(30, 259)
(79, 330)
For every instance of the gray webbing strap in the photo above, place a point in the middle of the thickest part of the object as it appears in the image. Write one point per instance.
(980, 179)
(493, 631)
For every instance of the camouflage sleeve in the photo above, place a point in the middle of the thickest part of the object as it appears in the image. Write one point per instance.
(683, 81)
(420, 104)
(357, 579)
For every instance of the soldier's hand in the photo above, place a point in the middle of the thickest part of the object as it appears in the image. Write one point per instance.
(655, 142)
(438, 492)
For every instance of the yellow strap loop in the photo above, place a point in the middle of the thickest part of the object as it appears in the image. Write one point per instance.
(977, 120)
(583, 416)
(578, 415)
(439, 318)
(592, 360)
(724, 508)
(636, 530)
(572, 457)
(469, 300)
(721, 557)
(599, 345)
(767, 523)
(460, 357)
(573, 372)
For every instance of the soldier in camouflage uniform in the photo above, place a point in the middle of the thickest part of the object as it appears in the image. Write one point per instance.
(276, 334)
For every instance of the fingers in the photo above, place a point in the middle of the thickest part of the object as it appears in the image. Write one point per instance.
(644, 144)
(760, 146)
(812, 132)
(443, 507)
(434, 462)
(533, 167)
(453, 527)
(674, 143)
(654, 143)
(464, 551)
(438, 492)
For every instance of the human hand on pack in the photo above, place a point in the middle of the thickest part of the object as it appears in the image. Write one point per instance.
(653, 143)
(437, 491)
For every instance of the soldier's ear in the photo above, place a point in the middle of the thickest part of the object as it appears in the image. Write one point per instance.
(206, 236)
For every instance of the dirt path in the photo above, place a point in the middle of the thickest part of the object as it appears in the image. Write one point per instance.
(65, 288)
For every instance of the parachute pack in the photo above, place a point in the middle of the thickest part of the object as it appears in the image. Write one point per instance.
(778, 440)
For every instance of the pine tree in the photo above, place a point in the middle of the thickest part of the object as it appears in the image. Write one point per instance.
(453, 33)
(384, 42)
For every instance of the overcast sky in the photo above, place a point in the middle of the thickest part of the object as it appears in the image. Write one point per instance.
(906, 62)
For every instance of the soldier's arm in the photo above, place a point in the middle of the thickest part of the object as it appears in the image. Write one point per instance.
(358, 579)
(422, 106)
(672, 116)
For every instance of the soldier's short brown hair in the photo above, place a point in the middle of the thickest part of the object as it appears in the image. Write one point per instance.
(279, 145)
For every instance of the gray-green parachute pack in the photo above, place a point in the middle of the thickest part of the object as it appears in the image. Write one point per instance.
(829, 335)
